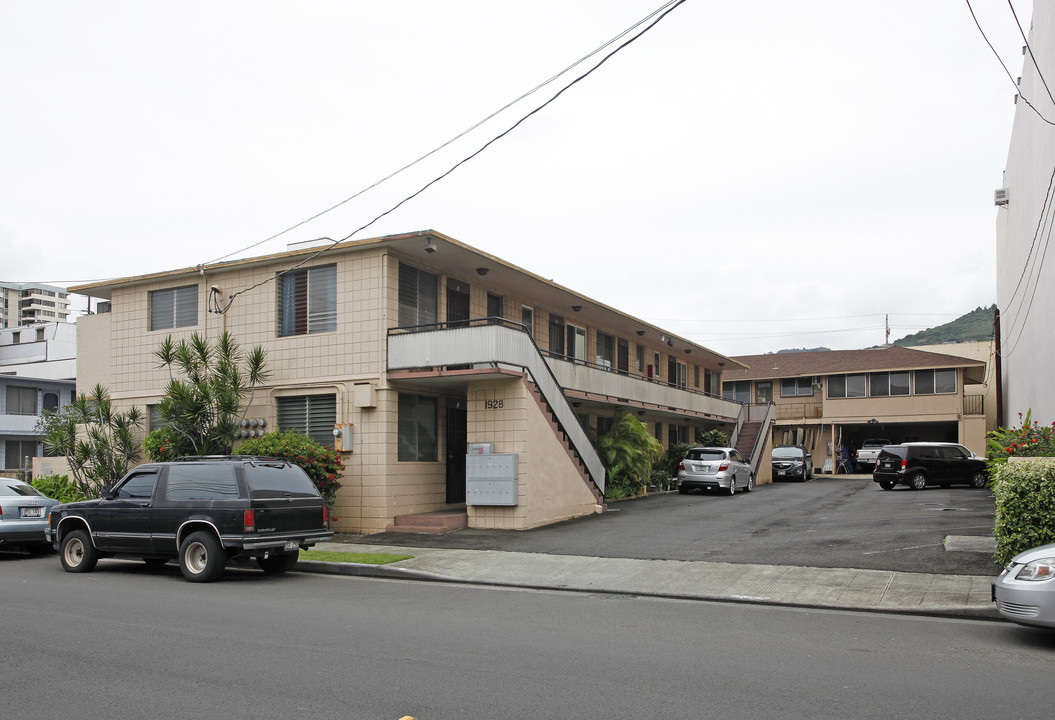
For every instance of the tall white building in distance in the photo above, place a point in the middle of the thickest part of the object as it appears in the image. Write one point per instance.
(32, 303)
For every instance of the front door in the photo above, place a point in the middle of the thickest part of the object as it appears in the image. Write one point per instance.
(457, 304)
(457, 436)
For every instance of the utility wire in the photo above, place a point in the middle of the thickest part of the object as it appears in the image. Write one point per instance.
(1010, 77)
(454, 139)
(670, 7)
(1031, 55)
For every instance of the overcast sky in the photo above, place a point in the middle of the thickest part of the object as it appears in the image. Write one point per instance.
(750, 175)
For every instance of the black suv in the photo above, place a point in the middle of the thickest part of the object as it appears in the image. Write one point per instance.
(202, 510)
(792, 461)
(928, 463)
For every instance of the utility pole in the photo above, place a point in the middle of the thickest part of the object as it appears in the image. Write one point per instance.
(887, 324)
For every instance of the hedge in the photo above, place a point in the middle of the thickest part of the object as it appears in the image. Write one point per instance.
(1025, 506)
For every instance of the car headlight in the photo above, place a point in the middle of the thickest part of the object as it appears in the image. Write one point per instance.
(1042, 569)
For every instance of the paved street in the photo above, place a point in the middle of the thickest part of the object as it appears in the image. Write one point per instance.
(829, 522)
(128, 642)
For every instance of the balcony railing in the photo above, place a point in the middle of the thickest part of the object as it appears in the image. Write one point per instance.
(974, 404)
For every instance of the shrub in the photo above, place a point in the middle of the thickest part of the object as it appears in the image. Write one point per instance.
(712, 438)
(1025, 506)
(322, 464)
(1030, 440)
(59, 488)
(165, 445)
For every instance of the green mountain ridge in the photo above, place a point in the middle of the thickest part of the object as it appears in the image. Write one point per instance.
(974, 326)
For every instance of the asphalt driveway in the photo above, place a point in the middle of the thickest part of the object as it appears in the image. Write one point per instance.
(841, 521)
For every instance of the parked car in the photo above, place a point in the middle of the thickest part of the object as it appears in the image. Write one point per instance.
(792, 462)
(868, 453)
(920, 464)
(24, 512)
(1025, 591)
(202, 511)
(707, 468)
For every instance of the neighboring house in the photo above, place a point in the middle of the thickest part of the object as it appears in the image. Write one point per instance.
(414, 347)
(37, 371)
(31, 303)
(984, 350)
(840, 398)
(1025, 285)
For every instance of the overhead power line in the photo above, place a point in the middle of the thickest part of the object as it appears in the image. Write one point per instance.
(665, 10)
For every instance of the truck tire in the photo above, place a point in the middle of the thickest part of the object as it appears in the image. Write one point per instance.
(201, 557)
(77, 552)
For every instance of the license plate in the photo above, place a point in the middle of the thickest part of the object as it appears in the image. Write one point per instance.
(32, 512)
(780, 472)
(291, 545)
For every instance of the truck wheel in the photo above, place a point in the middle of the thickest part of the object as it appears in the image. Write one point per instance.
(77, 552)
(278, 562)
(918, 481)
(201, 558)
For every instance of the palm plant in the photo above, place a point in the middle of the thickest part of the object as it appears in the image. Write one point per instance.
(627, 451)
(204, 408)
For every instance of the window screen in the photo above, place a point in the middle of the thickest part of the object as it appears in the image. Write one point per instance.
(307, 301)
(174, 308)
(311, 415)
(418, 296)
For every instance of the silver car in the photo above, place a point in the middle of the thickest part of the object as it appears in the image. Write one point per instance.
(706, 468)
(1025, 591)
(24, 512)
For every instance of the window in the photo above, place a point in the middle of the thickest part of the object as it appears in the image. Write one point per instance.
(202, 481)
(307, 301)
(556, 334)
(604, 425)
(764, 392)
(16, 338)
(21, 400)
(50, 402)
(708, 384)
(640, 359)
(695, 376)
(138, 487)
(885, 384)
(739, 390)
(605, 350)
(174, 308)
(16, 451)
(847, 386)
(40, 334)
(622, 356)
(418, 296)
(655, 358)
(154, 419)
(494, 306)
(935, 382)
(659, 431)
(682, 378)
(417, 428)
(795, 387)
(527, 318)
(311, 415)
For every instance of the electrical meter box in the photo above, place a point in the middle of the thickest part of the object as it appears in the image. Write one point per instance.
(491, 479)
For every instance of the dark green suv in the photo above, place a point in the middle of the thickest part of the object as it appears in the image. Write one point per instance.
(920, 464)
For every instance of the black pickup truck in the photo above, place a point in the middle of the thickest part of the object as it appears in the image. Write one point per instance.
(204, 511)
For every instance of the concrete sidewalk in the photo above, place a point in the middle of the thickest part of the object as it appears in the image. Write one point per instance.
(870, 590)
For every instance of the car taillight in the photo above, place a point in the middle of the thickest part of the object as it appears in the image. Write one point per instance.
(723, 466)
(249, 521)
(681, 465)
(325, 516)
(904, 464)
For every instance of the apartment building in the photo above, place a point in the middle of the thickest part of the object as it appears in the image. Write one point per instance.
(32, 303)
(450, 379)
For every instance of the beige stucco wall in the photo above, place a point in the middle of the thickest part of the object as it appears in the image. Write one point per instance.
(549, 487)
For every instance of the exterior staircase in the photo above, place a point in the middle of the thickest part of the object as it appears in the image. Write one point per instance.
(745, 441)
(558, 430)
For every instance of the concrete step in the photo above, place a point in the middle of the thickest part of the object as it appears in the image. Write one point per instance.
(430, 523)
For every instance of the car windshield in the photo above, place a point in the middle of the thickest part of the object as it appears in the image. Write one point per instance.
(19, 490)
(787, 453)
(706, 455)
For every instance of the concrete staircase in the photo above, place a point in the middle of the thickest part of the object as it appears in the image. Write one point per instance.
(745, 443)
(547, 411)
(430, 523)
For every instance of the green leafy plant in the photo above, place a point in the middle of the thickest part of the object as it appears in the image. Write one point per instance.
(1025, 506)
(59, 487)
(322, 464)
(712, 438)
(98, 442)
(1030, 440)
(628, 452)
(203, 408)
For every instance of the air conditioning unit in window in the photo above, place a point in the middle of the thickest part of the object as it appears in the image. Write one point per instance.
(1000, 197)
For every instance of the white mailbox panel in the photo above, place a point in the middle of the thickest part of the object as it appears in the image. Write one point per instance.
(491, 479)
